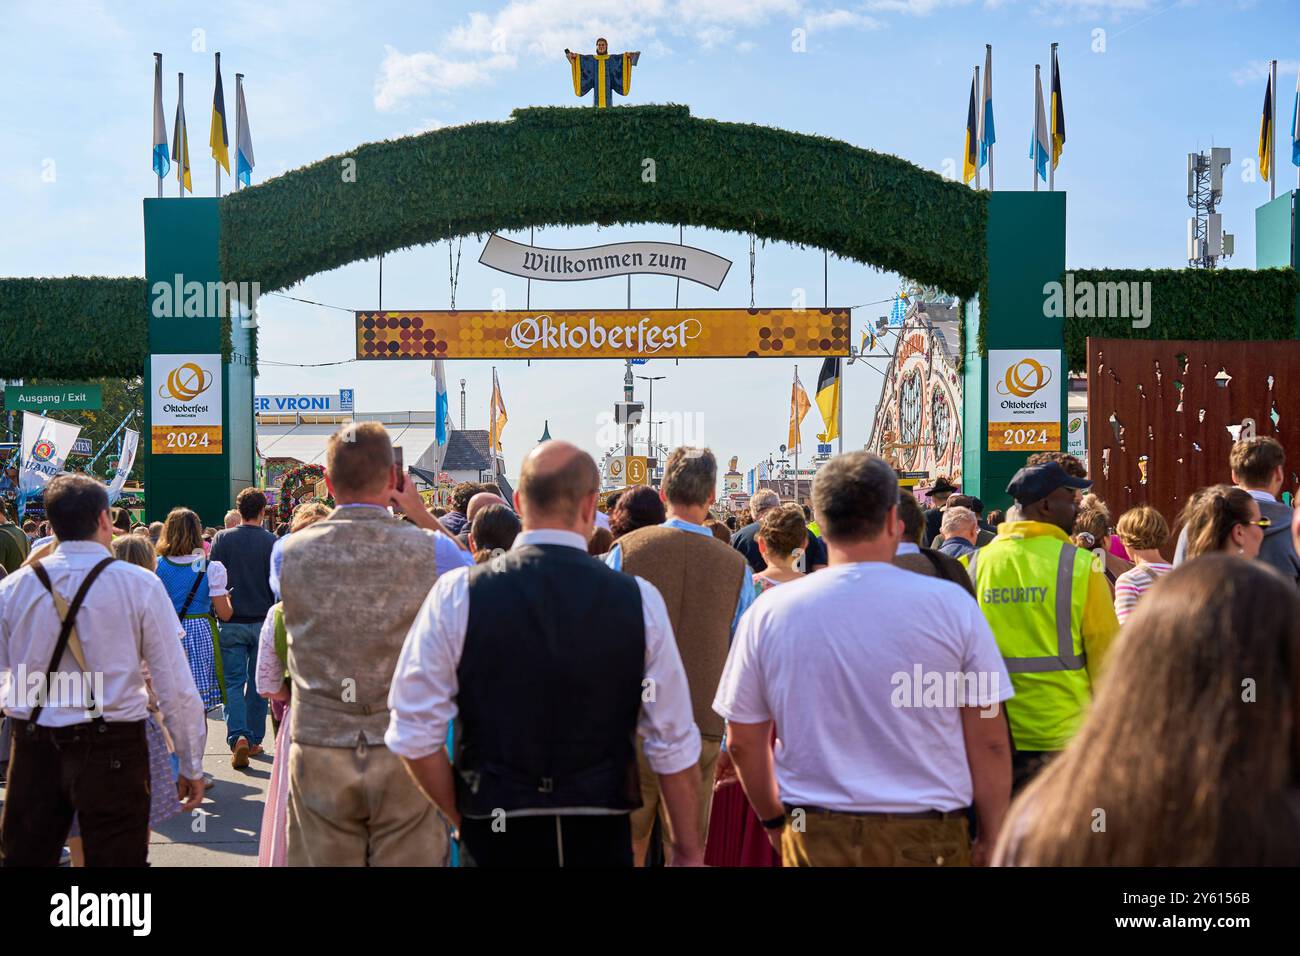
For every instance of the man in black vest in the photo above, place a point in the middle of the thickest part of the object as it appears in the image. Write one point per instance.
(553, 663)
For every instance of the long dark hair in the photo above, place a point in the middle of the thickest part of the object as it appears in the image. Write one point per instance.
(1190, 755)
(638, 507)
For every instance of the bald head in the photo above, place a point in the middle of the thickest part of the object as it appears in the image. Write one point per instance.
(557, 488)
(481, 501)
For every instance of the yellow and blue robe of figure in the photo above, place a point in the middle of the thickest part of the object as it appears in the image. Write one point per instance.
(603, 76)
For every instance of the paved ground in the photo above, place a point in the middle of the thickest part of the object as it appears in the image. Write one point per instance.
(225, 831)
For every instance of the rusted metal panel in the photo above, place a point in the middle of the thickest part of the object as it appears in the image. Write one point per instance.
(1159, 414)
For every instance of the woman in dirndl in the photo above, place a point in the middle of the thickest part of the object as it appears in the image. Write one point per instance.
(197, 588)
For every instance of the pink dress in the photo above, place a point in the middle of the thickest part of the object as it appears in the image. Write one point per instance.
(736, 835)
(272, 841)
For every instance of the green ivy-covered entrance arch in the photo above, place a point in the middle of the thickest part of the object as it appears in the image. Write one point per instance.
(563, 166)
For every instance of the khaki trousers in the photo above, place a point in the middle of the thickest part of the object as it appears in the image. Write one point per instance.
(643, 819)
(357, 806)
(843, 839)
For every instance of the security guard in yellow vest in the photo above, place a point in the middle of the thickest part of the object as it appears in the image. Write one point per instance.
(1051, 610)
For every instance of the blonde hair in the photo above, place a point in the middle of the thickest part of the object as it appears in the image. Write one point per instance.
(1142, 529)
(135, 549)
(308, 513)
(1211, 514)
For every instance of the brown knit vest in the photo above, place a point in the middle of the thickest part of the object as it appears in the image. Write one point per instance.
(700, 579)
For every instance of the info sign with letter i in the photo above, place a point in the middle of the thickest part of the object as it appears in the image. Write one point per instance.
(186, 404)
(1024, 400)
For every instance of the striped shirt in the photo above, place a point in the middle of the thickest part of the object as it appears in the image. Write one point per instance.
(1130, 585)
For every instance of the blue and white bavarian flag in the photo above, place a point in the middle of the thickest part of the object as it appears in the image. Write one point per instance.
(243, 141)
(440, 374)
(162, 163)
(1039, 150)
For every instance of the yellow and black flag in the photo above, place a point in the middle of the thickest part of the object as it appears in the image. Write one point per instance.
(1266, 133)
(219, 132)
(970, 157)
(828, 398)
(1058, 113)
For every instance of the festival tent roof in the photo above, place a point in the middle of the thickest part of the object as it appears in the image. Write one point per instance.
(415, 432)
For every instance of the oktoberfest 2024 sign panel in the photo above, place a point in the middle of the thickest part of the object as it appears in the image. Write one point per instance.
(1024, 400)
(186, 404)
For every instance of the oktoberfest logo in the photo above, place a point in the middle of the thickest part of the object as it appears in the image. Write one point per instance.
(185, 383)
(1024, 378)
(44, 450)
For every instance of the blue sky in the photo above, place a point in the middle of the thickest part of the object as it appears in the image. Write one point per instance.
(891, 75)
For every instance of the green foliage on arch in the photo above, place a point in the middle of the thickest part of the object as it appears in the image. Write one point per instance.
(1212, 304)
(78, 327)
(81, 327)
(552, 166)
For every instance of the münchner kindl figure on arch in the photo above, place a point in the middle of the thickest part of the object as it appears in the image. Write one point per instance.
(602, 74)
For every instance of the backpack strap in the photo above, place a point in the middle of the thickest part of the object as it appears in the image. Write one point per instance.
(189, 599)
(69, 617)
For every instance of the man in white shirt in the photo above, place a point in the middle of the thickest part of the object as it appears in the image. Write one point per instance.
(81, 748)
(553, 663)
(885, 688)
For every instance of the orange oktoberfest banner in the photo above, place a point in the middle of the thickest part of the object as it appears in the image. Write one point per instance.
(608, 333)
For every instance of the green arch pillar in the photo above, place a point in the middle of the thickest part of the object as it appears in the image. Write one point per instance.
(182, 238)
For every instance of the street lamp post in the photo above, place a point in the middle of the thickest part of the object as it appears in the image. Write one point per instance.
(650, 442)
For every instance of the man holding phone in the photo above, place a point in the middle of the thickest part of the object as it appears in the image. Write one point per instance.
(351, 585)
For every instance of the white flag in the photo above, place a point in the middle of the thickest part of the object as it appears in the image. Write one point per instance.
(46, 444)
(130, 442)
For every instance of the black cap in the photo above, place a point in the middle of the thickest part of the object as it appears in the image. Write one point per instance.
(941, 487)
(1037, 482)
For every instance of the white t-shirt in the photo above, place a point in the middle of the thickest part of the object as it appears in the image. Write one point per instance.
(863, 666)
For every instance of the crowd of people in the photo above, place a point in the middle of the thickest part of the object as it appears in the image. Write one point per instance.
(557, 680)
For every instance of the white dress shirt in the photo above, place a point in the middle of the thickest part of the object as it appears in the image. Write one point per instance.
(422, 698)
(127, 620)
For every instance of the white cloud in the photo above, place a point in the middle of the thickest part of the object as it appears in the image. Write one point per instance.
(404, 77)
(484, 43)
(1256, 71)
(1098, 8)
(840, 19)
(916, 8)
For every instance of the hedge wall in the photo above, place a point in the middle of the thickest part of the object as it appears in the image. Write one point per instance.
(573, 166)
(1194, 304)
(79, 327)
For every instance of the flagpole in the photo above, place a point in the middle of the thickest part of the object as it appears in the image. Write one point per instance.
(988, 48)
(181, 136)
(216, 162)
(1272, 132)
(1033, 153)
(1051, 146)
(157, 66)
(979, 123)
(239, 120)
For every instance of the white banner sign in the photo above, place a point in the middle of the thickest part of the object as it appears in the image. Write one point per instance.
(46, 444)
(130, 442)
(1024, 400)
(1076, 436)
(186, 404)
(338, 403)
(598, 262)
